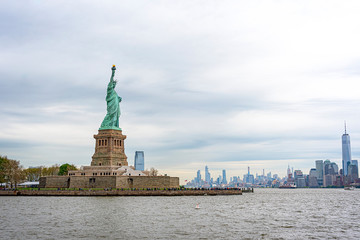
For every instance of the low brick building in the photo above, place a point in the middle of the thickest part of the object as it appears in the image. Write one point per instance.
(109, 182)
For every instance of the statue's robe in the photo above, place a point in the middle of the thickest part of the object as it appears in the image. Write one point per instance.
(113, 109)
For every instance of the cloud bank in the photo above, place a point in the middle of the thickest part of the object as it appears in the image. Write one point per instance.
(226, 84)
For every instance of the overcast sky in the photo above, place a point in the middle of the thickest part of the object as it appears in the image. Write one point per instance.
(228, 84)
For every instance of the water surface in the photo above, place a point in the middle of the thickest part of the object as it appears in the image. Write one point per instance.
(264, 214)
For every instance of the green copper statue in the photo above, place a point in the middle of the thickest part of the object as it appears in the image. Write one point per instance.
(111, 120)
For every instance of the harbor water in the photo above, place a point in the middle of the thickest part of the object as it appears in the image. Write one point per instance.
(264, 214)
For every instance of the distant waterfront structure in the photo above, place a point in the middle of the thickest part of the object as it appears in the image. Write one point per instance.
(139, 161)
(224, 181)
(346, 152)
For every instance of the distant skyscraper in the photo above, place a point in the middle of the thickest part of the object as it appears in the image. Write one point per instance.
(299, 179)
(198, 176)
(353, 172)
(224, 181)
(319, 171)
(330, 168)
(355, 162)
(207, 175)
(290, 178)
(139, 160)
(313, 182)
(288, 170)
(248, 178)
(326, 172)
(330, 171)
(346, 152)
(218, 180)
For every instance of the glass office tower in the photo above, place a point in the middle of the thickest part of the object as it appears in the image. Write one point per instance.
(346, 152)
(224, 181)
(319, 171)
(139, 160)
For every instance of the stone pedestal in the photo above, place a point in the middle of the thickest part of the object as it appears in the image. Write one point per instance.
(109, 148)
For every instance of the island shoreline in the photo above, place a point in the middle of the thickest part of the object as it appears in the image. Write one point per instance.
(127, 192)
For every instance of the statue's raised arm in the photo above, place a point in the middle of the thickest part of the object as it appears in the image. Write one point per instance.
(112, 73)
(111, 120)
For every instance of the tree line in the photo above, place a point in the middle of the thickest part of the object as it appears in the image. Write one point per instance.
(12, 173)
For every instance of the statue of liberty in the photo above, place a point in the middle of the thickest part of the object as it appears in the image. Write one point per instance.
(111, 120)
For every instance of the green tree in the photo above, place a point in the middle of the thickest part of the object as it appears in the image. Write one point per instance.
(3, 163)
(11, 171)
(50, 171)
(33, 174)
(64, 169)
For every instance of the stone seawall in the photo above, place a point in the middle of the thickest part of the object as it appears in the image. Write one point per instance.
(119, 192)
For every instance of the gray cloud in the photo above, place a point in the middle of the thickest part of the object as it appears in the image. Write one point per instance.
(201, 82)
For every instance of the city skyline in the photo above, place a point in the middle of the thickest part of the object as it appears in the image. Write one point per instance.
(324, 174)
(224, 85)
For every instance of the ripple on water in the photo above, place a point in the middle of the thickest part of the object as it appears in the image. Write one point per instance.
(266, 214)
